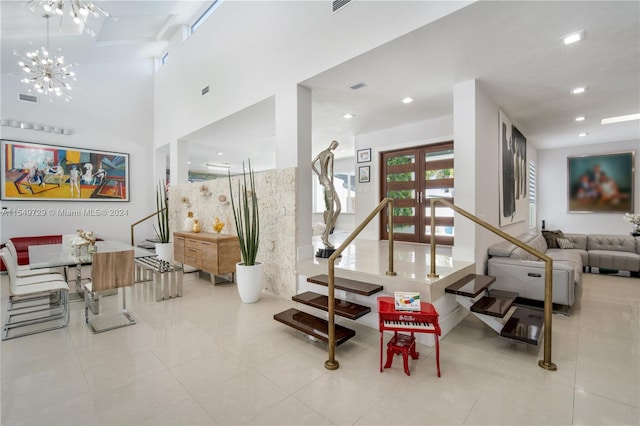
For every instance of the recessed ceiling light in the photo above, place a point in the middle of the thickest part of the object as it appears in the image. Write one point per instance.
(348, 116)
(573, 38)
(219, 153)
(188, 162)
(407, 100)
(582, 135)
(581, 118)
(578, 90)
(620, 119)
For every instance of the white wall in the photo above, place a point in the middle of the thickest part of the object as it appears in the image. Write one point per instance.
(287, 42)
(552, 191)
(368, 194)
(111, 112)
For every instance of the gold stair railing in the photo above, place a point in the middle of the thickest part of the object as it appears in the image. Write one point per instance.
(548, 270)
(142, 220)
(332, 363)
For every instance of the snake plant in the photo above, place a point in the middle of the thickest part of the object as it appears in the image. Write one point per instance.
(246, 215)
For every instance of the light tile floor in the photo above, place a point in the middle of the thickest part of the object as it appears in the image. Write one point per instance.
(208, 359)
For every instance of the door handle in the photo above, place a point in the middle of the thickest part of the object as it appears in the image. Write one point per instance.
(534, 275)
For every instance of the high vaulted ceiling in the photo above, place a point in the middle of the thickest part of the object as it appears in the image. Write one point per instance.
(514, 49)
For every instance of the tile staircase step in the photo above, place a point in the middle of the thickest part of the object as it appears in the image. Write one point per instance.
(344, 308)
(496, 303)
(471, 286)
(525, 325)
(313, 326)
(351, 286)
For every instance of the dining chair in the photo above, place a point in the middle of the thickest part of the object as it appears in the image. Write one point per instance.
(40, 285)
(25, 270)
(109, 271)
(27, 277)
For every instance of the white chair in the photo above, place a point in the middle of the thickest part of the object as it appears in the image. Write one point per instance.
(25, 270)
(109, 271)
(45, 284)
(28, 277)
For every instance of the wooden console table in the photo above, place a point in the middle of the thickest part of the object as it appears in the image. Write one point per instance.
(216, 254)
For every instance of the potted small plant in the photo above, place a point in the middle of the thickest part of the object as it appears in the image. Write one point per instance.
(164, 248)
(249, 273)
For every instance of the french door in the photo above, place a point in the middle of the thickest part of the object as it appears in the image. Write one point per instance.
(412, 177)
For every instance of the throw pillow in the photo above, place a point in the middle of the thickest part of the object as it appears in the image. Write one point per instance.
(564, 243)
(552, 237)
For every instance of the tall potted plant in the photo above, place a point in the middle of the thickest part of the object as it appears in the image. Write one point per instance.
(164, 248)
(249, 273)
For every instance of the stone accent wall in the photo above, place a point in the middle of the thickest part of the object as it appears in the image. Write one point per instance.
(276, 191)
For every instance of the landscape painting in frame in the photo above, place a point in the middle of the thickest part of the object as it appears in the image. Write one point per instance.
(601, 183)
(514, 198)
(33, 171)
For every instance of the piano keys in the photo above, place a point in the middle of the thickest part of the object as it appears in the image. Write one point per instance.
(403, 325)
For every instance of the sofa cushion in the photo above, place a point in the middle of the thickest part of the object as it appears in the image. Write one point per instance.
(609, 259)
(579, 246)
(506, 248)
(579, 241)
(569, 258)
(552, 238)
(537, 243)
(624, 243)
(565, 243)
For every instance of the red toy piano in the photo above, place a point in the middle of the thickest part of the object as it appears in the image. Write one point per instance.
(423, 321)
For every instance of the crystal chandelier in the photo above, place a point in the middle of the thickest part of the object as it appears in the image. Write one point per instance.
(47, 74)
(79, 10)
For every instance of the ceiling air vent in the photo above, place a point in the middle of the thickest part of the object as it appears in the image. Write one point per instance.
(28, 98)
(339, 4)
(358, 86)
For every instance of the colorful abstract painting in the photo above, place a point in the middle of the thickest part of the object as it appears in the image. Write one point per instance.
(47, 172)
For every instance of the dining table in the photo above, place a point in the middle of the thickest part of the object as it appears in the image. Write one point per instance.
(62, 255)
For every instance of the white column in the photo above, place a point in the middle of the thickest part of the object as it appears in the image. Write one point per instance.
(160, 169)
(475, 130)
(293, 149)
(178, 156)
(464, 136)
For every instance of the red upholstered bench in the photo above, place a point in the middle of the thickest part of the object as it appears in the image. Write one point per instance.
(22, 246)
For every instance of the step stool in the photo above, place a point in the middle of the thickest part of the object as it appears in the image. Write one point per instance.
(401, 344)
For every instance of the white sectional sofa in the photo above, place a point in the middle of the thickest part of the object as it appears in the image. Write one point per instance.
(518, 271)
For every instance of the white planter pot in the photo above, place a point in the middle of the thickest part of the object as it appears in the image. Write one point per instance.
(165, 251)
(249, 281)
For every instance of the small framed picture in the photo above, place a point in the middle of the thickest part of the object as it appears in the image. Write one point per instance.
(364, 174)
(364, 155)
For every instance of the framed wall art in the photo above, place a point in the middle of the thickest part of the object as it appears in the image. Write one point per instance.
(31, 171)
(514, 199)
(364, 155)
(601, 183)
(364, 174)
